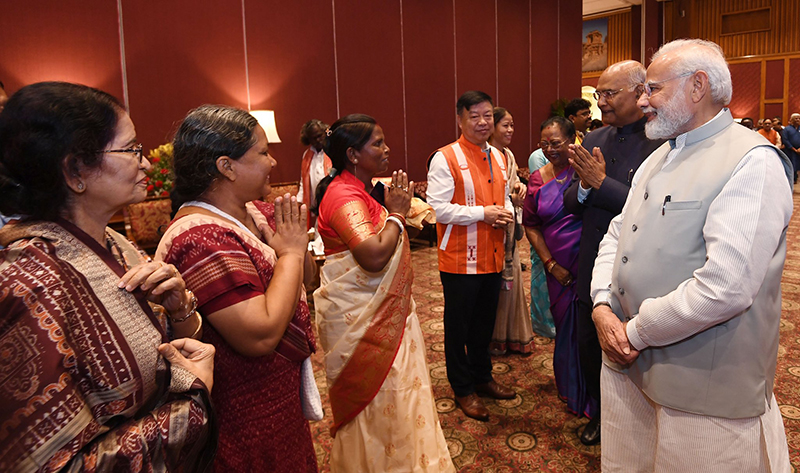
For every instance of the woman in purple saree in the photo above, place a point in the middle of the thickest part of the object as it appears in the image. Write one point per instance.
(555, 235)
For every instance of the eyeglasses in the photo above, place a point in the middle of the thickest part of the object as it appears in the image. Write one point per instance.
(648, 89)
(136, 150)
(606, 94)
(552, 144)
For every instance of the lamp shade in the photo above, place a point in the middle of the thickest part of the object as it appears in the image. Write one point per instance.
(266, 118)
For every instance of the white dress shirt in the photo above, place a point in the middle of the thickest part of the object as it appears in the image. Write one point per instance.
(742, 231)
(316, 173)
(441, 187)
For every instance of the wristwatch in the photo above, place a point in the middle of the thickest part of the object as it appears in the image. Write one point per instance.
(599, 303)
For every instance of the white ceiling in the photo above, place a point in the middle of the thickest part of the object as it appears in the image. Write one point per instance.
(592, 7)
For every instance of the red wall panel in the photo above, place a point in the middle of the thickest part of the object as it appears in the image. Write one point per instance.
(773, 86)
(370, 68)
(291, 62)
(556, 59)
(403, 61)
(69, 41)
(772, 110)
(513, 62)
(794, 88)
(746, 79)
(181, 54)
(475, 46)
(430, 80)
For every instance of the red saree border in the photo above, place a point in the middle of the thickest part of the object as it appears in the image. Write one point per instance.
(364, 374)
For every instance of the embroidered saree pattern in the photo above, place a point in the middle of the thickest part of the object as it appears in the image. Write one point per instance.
(81, 383)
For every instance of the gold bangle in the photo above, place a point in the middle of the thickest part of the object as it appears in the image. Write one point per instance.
(199, 326)
(192, 311)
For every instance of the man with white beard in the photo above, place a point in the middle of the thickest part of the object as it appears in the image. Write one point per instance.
(686, 285)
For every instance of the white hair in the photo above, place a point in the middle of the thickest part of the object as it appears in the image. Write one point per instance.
(637, 74)
(706, 56)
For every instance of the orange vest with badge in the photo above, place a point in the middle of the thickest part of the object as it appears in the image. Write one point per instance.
(476, 248)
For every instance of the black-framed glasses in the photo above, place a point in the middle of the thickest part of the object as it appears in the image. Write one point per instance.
(647, 87)
(136, 150)
(553, 144)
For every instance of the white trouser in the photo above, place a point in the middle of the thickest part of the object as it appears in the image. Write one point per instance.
(639, 435)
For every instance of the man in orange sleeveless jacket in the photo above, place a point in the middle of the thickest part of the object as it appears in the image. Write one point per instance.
(468, 189)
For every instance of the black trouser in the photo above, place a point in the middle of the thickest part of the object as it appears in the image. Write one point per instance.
(589, 350)
(470, 307)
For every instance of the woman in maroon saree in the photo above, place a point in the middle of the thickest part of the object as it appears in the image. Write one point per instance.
(248, 278)
(89, 381)
(555, 235)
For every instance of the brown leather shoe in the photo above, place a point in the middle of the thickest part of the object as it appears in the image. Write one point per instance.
(473, 407)
(496, 391)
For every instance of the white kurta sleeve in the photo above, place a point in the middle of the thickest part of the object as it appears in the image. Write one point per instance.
(440, 193)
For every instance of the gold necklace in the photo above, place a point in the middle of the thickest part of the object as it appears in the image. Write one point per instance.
(560, 181)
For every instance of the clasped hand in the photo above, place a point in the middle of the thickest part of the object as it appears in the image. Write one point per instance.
(290, 235)
(591, 168)
(398, 195)
(613, 336)
(161, 282)
(497, 216)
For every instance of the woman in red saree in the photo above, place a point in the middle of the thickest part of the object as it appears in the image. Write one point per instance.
(89, 381)
(380, 391)
(248, 279)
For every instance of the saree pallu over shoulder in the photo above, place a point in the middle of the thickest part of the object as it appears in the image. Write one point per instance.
(251, 263)
(365, 315)
(82, 385)
(354, 221)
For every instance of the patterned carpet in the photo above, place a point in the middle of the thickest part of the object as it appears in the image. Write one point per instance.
(534, 432)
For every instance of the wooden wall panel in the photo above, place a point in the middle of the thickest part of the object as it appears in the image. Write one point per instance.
(619, 37)
(705, 21)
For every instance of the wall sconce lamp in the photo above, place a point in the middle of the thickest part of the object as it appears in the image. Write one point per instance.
(266, 118)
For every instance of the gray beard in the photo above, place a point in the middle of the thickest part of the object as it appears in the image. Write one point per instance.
(669, 120)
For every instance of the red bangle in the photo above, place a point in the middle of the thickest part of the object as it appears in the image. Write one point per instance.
(550, 264)
(400, 216)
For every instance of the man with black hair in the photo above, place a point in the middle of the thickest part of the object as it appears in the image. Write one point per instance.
(468, 189)
(579, 113)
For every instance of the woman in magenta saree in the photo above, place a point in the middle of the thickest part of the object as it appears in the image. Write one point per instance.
(555, 235)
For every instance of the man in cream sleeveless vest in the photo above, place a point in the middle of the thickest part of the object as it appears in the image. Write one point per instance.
(686, 285)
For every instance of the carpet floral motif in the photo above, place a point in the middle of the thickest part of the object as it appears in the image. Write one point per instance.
(535, 432)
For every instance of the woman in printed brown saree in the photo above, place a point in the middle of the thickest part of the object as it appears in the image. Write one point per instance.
(83, 315)
(383, 407)
(248, 279)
